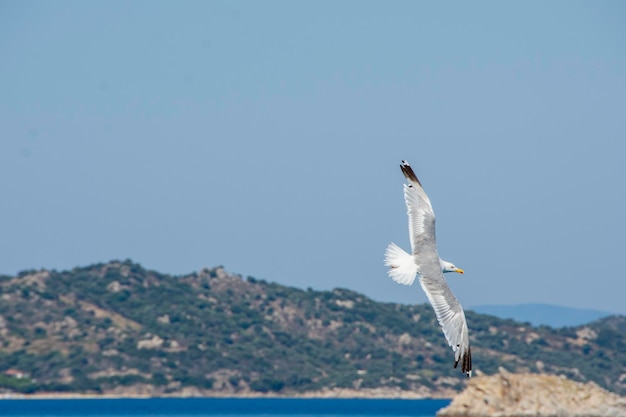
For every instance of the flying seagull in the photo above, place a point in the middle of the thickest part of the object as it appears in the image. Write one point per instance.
(424, 262)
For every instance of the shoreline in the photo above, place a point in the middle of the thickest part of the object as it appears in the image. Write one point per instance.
(149, 391)
(247, 396)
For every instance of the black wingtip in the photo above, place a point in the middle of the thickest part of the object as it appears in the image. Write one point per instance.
(409, 173)
(466, 362)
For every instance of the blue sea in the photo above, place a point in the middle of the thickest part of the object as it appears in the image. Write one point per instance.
(227, 407)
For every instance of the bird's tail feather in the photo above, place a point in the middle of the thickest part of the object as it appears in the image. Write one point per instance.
(402, 266)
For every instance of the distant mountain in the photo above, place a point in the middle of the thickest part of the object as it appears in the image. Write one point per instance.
(543, 314)
(119, 329)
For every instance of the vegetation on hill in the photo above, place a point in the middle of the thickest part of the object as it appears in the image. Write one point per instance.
(106, 326)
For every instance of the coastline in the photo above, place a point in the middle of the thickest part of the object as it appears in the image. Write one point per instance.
(374, 394)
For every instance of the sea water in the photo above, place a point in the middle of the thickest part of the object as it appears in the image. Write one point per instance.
(227, 407)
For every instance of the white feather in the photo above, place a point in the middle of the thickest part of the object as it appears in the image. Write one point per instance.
(402, 267)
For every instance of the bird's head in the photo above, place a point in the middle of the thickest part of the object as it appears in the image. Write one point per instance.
(450, 267)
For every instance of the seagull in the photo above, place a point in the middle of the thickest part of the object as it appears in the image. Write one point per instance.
(425, 263)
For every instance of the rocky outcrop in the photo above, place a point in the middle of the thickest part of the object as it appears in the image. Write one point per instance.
(516, 395)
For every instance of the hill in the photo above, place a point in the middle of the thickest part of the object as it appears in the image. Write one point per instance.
(539, 314)
(117, 328)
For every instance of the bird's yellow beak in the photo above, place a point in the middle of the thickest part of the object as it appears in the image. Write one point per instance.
(459, 270)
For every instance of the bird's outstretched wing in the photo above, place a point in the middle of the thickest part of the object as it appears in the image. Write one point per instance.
(449, 314)
(419, 210)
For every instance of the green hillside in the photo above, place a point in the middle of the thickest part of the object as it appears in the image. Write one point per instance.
(119, 328)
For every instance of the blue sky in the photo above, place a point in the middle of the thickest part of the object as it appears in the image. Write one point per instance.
(266, 137)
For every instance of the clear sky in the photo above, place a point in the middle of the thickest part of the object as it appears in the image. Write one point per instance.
(266, 137)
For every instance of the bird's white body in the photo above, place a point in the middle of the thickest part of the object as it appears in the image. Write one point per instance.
(404, 270)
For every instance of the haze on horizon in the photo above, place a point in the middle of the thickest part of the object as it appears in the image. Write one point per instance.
(266, 137)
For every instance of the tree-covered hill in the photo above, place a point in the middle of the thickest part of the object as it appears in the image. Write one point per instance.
(119, 328)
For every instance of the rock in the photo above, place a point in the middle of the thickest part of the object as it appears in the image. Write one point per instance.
(515, 395)
(164, 319)
(114, 286)
(154, 343)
